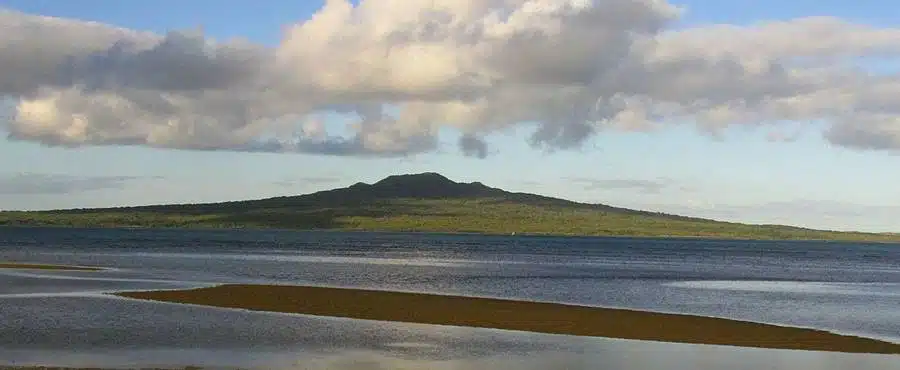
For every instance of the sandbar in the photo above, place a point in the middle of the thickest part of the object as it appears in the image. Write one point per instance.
(550, 318)
(32, 266)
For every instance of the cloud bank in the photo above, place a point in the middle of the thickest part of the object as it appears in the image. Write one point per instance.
(405, 70)
(815, 213)
(56, 184)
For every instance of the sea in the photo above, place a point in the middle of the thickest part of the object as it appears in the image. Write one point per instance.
(67, 318)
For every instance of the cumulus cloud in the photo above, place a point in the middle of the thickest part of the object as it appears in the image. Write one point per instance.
(403, 70)
(34, 183)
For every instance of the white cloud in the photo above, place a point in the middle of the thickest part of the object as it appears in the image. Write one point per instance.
(809, 37)
(406, 69)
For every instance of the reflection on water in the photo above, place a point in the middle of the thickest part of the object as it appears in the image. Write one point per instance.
(80, 328)
(63, 318)
(556, 354)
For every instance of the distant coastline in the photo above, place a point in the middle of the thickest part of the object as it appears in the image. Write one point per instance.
(850, 239)
(33, 266)
(427, 203)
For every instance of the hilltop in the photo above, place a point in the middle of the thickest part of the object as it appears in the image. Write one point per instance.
(426, 202)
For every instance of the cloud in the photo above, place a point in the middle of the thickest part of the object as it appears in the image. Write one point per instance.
(403, 71)
(473, 146)
(639, 185)
(531, 183)
(814, 213)
(34, 184)
(314, 180)
(782, 136)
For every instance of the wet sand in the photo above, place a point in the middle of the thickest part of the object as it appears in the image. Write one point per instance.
(30, 266)
(537, 317)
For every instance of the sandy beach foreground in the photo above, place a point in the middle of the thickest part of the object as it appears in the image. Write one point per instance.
(31, 266)
(516, 315)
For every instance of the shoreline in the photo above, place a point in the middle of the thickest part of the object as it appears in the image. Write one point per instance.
(473, 233)
(40, 266)
(538, 317)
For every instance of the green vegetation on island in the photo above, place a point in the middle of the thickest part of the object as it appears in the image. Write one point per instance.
(425, 202)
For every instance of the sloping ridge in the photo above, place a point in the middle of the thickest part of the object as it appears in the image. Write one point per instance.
(427, 185)
(422, 202)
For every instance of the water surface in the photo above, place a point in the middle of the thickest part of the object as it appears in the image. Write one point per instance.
(63, 318)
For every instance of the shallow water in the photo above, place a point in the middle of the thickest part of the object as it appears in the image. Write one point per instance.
(64, 319)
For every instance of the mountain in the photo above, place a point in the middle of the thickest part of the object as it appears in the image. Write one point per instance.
(427, 202)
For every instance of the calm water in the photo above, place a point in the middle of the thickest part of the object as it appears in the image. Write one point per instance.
(63, 318)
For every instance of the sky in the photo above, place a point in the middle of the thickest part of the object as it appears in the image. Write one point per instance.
(755, 111)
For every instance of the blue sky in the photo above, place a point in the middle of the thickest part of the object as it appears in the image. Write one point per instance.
(740, 176)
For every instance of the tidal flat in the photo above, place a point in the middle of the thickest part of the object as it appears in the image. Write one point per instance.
(539, 317)
(63, 319)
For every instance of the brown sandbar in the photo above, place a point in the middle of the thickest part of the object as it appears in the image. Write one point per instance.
(31, 266)
(551, 318)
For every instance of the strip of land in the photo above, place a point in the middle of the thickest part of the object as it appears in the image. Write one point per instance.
(428, 203)
(31, 266)
(538, 317)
